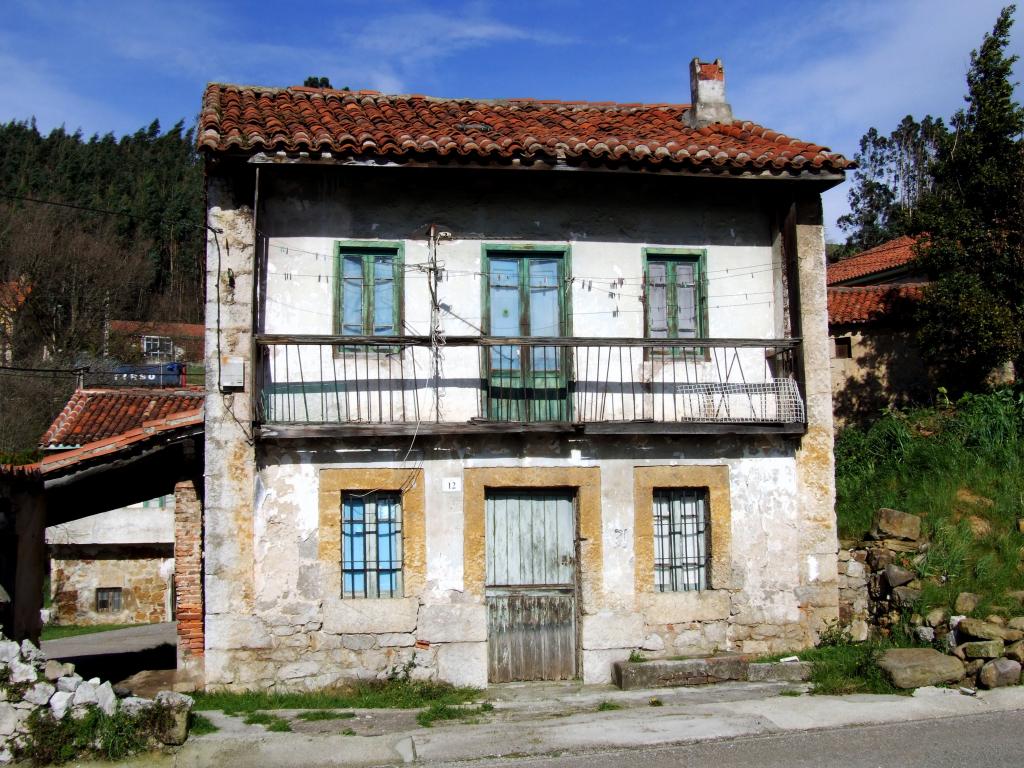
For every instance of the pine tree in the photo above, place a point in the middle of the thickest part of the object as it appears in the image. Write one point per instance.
(972, 317)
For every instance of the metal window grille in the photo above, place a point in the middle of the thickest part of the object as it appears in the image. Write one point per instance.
(681, 539)
(371, 545)
(108, 600)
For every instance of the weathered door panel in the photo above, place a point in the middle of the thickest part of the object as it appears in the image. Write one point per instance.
(531, 585)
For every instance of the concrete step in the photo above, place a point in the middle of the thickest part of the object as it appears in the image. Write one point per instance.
(706, 670)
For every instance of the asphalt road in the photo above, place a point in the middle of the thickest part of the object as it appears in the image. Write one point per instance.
(979, 741)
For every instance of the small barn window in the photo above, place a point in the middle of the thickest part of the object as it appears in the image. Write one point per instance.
(371, 545)
(108, 600)
(682, 536)
(158, 347)
(843, 348)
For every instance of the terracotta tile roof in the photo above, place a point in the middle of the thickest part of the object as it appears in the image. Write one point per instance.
(99, 414)
(881, 258)
(372, 125)
(179, 422)
(866, 303)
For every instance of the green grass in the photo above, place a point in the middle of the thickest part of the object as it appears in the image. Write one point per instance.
(918, 462)
(608, 706)
(442, 711)
(325, 714)
(56, 633)
(841, 669)
(370, 695)
(272, 722)
(200, 725)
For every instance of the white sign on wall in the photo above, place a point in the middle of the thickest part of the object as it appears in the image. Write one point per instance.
(451, 484)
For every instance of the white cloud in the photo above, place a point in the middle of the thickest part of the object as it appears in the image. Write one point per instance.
(895, 59)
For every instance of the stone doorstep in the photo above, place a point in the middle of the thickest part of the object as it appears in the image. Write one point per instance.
(671, 673)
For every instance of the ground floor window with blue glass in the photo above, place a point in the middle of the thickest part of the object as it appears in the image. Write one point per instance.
(371, 544)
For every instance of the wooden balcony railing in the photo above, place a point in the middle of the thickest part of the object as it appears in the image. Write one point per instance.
(309, 385)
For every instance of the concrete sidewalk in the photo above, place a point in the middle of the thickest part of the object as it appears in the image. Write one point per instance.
(539, 720)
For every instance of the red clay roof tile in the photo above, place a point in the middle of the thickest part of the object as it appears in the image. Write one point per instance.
(881, 258)
(93, 415)
(865, 303)
(370, 125)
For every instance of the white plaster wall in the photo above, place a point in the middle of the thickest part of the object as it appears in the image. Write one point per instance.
(767, 532)
(134, 524)
(605, 267)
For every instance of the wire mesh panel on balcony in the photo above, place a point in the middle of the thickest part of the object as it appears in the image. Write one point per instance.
(405, 380)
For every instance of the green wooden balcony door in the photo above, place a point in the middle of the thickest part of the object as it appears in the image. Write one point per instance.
(526, 297)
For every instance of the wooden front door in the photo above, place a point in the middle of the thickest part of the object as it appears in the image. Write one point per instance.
(531, 584)
(526, 297)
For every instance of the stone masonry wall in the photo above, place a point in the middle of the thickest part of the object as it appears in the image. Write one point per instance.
(77, 572)
(853, 591)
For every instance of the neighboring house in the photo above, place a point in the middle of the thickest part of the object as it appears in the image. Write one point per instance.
(875, 359)
(526, 385)
(155, 342)
(115, 567)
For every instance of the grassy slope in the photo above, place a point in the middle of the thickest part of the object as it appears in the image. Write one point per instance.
(961, 468)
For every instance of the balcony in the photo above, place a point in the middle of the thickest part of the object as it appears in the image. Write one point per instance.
(373, 385)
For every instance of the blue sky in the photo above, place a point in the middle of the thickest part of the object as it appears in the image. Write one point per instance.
(822, 71)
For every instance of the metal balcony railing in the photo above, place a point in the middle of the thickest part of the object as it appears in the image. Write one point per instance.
(392, 385)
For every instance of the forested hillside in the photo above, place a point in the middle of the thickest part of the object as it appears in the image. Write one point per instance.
(70, 269)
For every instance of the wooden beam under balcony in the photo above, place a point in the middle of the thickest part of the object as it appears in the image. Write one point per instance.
(271, 432)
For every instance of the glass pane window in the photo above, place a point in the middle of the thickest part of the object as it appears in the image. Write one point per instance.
(371, 544)
(158, 346)
(108, 600)
(368, 297)
(681, 539)
(675, 300)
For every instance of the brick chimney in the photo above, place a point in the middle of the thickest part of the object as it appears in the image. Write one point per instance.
(707, 94)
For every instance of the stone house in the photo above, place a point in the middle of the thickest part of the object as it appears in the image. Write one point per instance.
(875, 360)
(116, 566)
(503, 390)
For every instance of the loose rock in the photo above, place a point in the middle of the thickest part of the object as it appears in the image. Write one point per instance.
(105, 699)
(1015, 651)
(21, 672)
(133, 705)
(998, 673)
(39, 694)
(60, 702)
(8, 651)
(897, 576)
(936, 616)
(917, 667)
(924, 634)
(986, 630)
(178, 705)
(68, 684)
(905, 597)
(52, 670)
(1017, 622)
(966, 602)
(891, 523)
(983, 649)
(85, 693)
